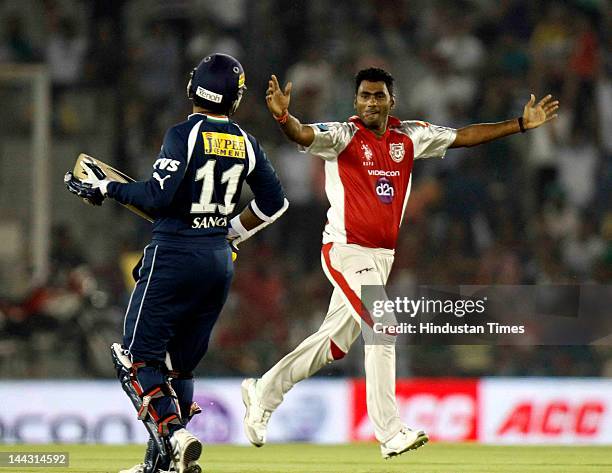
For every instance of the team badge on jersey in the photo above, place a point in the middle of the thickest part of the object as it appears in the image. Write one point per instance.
(396, 151)
(367, 151)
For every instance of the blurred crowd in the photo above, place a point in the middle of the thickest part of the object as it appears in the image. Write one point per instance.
(529, 209)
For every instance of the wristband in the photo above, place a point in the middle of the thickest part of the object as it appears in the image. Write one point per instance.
(521, 125)
(104, 187)
(283, 118)
(236, 229)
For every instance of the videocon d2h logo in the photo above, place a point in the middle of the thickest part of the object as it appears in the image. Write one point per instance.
(385, 190)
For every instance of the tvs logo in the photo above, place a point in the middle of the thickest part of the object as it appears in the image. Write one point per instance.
(167, 164)
(397, 152)
(385, 190)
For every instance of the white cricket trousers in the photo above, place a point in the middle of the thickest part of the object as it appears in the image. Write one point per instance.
(348, 267)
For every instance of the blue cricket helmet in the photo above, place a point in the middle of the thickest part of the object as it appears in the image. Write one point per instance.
(217, 84)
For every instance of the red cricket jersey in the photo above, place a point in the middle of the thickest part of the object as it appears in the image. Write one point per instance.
(368, 178)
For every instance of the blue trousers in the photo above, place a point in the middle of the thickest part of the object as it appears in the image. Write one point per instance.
(179, 294)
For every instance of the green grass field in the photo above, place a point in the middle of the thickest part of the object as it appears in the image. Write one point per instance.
(356, 458)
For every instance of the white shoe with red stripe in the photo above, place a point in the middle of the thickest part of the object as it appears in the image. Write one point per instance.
(405, 440)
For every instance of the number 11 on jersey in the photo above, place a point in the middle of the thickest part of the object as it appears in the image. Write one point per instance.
(207, 174)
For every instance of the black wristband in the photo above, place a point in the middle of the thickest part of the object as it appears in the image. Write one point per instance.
(521, 126)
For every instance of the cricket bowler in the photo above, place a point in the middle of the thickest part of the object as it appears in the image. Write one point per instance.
(368, 169)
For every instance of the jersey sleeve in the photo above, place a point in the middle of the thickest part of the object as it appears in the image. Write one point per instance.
(166, 176)
(329, 140)
(430, 141)
(270, 200)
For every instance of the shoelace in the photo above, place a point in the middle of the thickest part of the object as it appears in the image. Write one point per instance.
(405, 431)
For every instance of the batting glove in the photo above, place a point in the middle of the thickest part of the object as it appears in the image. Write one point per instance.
(95, 176)
(83, 189)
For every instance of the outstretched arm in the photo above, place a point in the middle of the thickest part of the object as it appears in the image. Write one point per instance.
(534, 115)
(278, 100)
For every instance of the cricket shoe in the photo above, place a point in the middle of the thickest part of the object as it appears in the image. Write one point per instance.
(140, 468)
(256, 417)
(405, 440)
(186, 449)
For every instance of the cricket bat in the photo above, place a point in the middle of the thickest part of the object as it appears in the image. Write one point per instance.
(114, 175)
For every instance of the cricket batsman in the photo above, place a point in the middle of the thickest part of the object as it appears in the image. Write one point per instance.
(368, 168)
(186, 270)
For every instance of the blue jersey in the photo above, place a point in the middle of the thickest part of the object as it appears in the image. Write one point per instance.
(198, 176)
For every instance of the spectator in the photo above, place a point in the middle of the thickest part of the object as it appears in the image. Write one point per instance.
(550, 46)
(65, 53)
(434, 95)
(104, 58)
(577, 164)
(157, 66)
(583, 250)
(459, 47)
(311, 77)
(583, 65)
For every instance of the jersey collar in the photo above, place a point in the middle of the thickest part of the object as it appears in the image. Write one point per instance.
(211, 118)
(392, 122)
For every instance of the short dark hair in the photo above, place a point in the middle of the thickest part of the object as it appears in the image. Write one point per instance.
(374, 74)
(211, 107)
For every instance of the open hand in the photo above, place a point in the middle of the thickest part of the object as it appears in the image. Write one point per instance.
(535, 115)
(277, 99)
